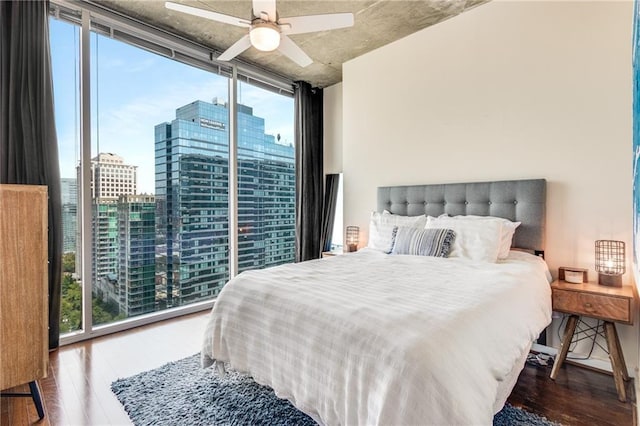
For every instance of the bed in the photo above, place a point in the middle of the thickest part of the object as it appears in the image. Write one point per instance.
(376, 338)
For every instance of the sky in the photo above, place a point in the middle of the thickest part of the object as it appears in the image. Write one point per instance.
(132, 91)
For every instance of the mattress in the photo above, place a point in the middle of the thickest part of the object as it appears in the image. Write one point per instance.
(377, 339)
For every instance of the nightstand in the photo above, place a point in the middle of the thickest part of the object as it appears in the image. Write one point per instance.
(610, 304)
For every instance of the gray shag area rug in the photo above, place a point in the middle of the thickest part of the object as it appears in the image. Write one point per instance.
(183, 393)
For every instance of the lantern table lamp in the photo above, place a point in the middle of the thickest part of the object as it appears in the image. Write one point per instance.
(353, 235)
(610, 262)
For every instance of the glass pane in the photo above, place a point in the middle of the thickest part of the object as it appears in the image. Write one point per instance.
(266, 179)
(64, 39)
(159, 182)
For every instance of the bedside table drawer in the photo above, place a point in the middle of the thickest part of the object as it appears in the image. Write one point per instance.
(592, 305)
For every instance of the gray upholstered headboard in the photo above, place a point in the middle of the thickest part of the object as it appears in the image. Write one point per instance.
(517, 200)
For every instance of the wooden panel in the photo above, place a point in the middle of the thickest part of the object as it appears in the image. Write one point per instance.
(600, 306)
(592, 287)
(23, 284)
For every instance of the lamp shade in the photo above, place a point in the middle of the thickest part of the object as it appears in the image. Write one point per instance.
(610, 262)
(353, 237)
(265, 36)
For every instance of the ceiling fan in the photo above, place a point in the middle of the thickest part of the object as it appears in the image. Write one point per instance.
(267, 31)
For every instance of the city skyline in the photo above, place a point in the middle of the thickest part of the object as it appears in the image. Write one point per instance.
(137, 97)
(152, 252)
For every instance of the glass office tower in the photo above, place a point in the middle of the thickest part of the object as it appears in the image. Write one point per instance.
(69, 198)
(266, 196)
(192, 178)
(104, 248)
(136, 259)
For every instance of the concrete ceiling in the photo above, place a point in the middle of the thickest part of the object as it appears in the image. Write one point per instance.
(377, 23)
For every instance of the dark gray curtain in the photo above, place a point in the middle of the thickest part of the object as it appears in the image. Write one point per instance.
(28, 144)
(329, 209)
(309, 173)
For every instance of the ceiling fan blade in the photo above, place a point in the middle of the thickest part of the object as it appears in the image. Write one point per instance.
(312, 23)
(236, 48)
(293, 52)
(265, 6)
(214, 16)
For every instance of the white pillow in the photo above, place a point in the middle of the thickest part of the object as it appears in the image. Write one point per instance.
(380, 234)
(475, 239)
(506, 235)
(508, 229)
(399, 220)
(382, 228)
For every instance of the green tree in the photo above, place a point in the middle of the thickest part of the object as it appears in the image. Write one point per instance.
(71, 307)
(104, 312)
(69, 262)
(70, 304)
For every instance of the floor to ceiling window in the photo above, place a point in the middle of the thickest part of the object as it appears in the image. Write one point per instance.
(266, 179)
(159, 167)
(157, 223)
(65, 63)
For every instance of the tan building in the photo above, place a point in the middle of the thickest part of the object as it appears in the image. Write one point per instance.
(110, 177)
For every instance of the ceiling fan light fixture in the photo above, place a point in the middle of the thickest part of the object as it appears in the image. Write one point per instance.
(267, 32)
(265, 36)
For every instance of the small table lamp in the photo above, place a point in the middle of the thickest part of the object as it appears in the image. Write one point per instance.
(353, 235)
(610, 262)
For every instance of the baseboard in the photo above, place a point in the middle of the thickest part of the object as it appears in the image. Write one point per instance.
(594, 363)
(544, 349)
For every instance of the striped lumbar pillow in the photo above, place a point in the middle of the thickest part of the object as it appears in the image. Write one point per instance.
(423, 242)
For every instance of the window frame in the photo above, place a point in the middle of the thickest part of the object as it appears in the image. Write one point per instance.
(90, 17)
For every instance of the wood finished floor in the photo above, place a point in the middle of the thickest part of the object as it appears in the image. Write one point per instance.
(77, 391)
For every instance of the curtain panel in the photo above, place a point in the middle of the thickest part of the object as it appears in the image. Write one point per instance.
(309, 171)
(28, 143)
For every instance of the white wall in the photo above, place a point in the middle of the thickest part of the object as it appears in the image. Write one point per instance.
(332, 119)
(508, 90)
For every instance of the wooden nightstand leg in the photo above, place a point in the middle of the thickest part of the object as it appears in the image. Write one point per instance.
(623, 365)
(617, 362)
(572, 322)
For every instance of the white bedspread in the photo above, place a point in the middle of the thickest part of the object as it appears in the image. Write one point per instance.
(373, 339)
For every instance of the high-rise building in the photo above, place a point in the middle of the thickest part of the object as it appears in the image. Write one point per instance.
(136, 254)
(69, 198)
(266, 196)
(104, 250)
(110, 177)
(192, 178)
